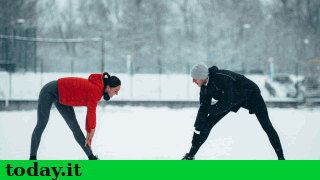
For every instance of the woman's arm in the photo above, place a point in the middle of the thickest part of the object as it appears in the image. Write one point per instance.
(91, 119)
(89, 138)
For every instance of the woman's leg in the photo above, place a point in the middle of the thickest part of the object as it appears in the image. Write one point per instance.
(69, 116)
(46, 97)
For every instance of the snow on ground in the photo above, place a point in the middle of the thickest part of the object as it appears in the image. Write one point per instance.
(172, 87)
(139, 133)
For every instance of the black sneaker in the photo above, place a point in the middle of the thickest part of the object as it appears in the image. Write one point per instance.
(282, 158)
(92, 157)
(33, 158)
(187, 157)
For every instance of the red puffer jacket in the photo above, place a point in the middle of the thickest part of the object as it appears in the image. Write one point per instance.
(75, 91)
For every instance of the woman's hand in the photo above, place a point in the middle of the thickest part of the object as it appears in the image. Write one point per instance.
(89, 139)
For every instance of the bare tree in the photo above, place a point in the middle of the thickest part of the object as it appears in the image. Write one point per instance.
(303, 18)
(188, 18)
(48, 15)
(12, 10)
(209, 10)
(135, 32)
(67, 26)
(159, 10)
(96, 15)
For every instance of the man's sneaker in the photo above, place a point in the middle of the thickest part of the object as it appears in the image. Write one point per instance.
(188, 157)
(33, 158)
(92, 157)
(281, 158)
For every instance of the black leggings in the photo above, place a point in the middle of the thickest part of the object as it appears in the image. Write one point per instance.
(49, 95)
(263, 119)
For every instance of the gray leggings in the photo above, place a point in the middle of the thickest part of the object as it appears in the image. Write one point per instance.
(49, 95)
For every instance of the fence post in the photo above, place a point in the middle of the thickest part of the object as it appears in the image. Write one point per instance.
(26, 51)
(41, 71)
(14, 56)
(72, 66)
(129, 71)
(160, 72)
(6, 44)
(188, 83)
(102, 53)
(271, 61)
(10, 89)
(6, 56)
(209, 58)
(35, 50)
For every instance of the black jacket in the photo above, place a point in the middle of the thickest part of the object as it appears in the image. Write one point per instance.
(232, 91)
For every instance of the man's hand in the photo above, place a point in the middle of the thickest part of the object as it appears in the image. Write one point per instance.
(199, 127)
(89, 139)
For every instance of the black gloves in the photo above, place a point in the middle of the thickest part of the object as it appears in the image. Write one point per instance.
(201, 117)
(199, 128)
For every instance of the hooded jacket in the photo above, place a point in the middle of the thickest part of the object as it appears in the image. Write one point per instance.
(74, 91)
(231, 90)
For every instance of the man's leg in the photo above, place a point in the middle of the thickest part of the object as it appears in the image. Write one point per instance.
(261, 112)
(274, 139)
(67, 112)
(199, 139)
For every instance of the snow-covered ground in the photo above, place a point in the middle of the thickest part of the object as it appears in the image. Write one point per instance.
(172, 87)
(134, 133)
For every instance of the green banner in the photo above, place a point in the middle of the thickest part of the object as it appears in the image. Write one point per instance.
(160, 169)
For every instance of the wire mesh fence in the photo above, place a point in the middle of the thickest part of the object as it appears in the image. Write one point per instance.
(34, 61)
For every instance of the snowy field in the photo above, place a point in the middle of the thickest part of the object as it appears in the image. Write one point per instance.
(139, 133)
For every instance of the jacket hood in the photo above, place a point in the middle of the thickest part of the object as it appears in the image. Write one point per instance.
(96, 79)
(213, 70)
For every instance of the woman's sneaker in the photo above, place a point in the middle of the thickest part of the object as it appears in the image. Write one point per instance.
(92, 157)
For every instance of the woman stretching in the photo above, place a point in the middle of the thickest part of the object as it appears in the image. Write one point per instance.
(72, 91)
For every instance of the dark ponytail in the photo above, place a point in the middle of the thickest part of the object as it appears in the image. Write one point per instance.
(112, 81)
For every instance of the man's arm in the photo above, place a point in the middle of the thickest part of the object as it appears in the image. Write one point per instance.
(227, 97)
(205, 101)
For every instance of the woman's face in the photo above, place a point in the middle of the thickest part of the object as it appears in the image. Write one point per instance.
(112, 91)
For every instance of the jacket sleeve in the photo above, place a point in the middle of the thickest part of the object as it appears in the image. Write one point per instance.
(205, 101)
(87, 125)
(91, 113)
(227, 97)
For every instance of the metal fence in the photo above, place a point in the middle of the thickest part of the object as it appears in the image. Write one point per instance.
(21, 52)
(15, 53)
